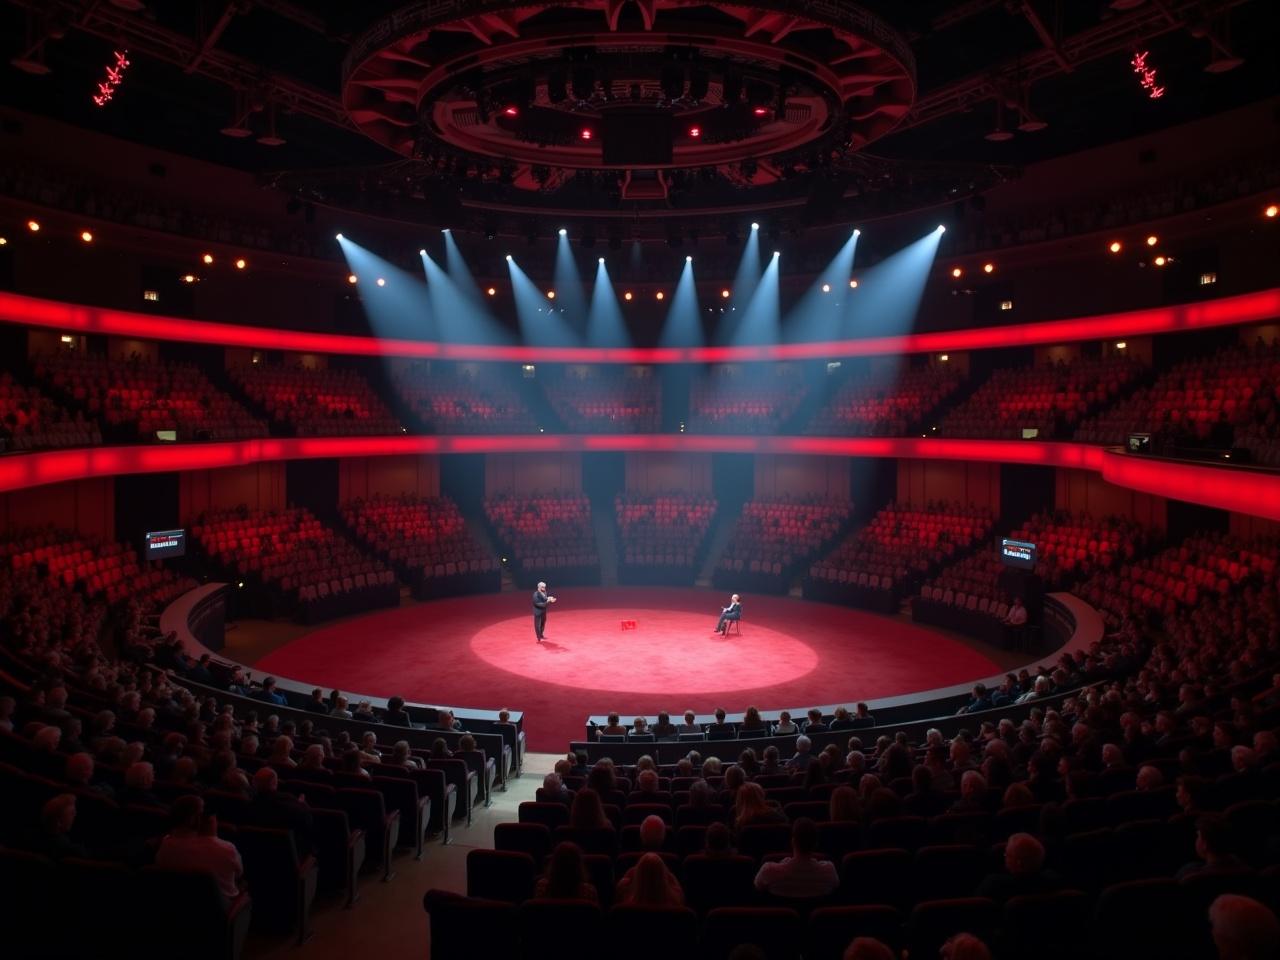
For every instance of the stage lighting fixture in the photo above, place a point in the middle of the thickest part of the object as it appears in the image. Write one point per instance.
(241, 264)
(492, 291)
(857, 232)
(659, 295)
(337, 236)
(957, 272)
(4, 241)
(189, 278)
(760, 111)
(1120, 345)
(382, 281)
(352, 278)
(1160, 261)
(942, 228)
(33, 226)
(1115, 246)
(688, 258)
(755, 226)
(422, 252)
(586, 133)
(853, 284)
(551, 294)
(600, 260)
(563, 232)
(627, 295)
(86, 236)
(1271, 211)
(724, 294)
(777, 253)
(988, 268)
(1152, 240)
(826, 288)
(511, 111)
(695, 131)
(944, 357)
(207, 259)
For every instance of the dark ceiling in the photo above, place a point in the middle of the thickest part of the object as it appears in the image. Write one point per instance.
(1097, 100)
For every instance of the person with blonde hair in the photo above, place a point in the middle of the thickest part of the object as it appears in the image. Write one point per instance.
(751, 807)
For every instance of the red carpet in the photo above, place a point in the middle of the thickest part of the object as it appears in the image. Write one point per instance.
(480, 652)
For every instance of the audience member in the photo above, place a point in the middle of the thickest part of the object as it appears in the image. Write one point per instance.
(802, 875)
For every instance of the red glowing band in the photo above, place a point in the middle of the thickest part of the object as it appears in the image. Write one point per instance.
(74, 318)
(1256, 493)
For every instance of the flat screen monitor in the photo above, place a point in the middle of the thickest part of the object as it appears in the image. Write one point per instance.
(1018, 553)
(1139, 443)
(161, 544)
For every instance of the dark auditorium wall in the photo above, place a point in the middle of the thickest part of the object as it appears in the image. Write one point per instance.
(653, 473)
(363, 477)
(259, 486)
(123, 347)
(526, 474)
(920, 481)
(1243, 525)
(85, 506)
(1084, 491)
(779, 477)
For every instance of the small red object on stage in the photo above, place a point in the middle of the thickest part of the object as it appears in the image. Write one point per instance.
(628, 624)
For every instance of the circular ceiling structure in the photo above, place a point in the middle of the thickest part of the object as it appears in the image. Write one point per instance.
(535, 91)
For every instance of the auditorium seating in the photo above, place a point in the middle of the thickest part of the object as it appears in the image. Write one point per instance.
(1223, 400)
(427, 541)
(1071, 546)
(772, 538)
(876, 566)
(883, 401)
(547, 537)
(463, 398)
(661, 537)
(1051, 399)
(316, 402)
(29, 420)
(604, 399)
(746, 398)
(134, 398)
(299, 564)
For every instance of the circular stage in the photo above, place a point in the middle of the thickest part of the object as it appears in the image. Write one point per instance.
(480, 652)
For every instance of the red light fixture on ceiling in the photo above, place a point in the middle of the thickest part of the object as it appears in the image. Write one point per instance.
(585, 133)
(241, 263)
(1152, 240)
(1271, 211)
(660, 295)
(988, 267)
(957, 272)
(1115, 246)
(207, 259)
(86, 236)
(760, 111)
(695, 132)
(627, 295)
(33, 226)
(511, 111)
(1160, 260)
(724, 294)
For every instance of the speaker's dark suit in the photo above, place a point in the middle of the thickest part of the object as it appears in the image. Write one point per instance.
(539, 613)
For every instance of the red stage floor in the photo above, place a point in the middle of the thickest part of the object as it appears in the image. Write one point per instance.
(480, 652)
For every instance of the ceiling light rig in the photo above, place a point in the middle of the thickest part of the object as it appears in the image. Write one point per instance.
(115, 76)
(1147, 78)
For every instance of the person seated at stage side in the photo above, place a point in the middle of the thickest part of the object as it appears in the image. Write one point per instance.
(816, 724)
(720, 728)
(664, 729)
(862, 717)
(803, 755)
(267, 693)
(340, 708)
(785, 727)
(566, 876)
(841, 720)
(803, 875)
(587, 811)
(1024, 872)
(649, 883)
(753, 724)
(689, 725)
(979, 700)
(639, 728)
(730, 614)
(1017, 615)
(402, 756)
(613, 728)
(444, 721)
(750, 807)
(364, 712)
(396, 714)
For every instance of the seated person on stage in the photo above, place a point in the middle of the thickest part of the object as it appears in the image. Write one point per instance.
(1017, 615)
(862, 717)
(664, 728)
(639, 728)
(613, 728)
(732, 612)
(720, 727)
(785, 726)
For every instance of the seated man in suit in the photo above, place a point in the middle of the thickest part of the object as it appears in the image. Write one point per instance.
(732, 612)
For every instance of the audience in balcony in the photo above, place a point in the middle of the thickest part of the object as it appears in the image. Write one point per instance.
(29, 420)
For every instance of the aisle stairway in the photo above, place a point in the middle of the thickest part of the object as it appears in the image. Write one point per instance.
(602, 520)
